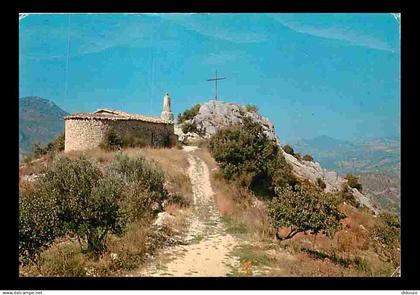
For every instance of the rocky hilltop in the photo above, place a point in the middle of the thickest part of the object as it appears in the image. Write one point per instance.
(217, 114)
(214, 115)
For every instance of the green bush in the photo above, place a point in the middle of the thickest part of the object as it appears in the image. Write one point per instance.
(346, 195)
(353, 182)
(189, 114)
(246, 152)
(143, 185)
(189, 127)
(388, 228)
(308, 158)
(391, 220)
(387, 232)
(65, 260)
(74, 197)
(113, 141)
(251, 108)
(59, 143)
(304, 210)
(39, 224)
(132, 141)
(298, 156)
(55, 146)
(288, 149)
(178, 199)
(88, 202)
(321, 183)
(38, 150)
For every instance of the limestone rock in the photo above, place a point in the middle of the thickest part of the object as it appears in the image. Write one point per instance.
(217, 114)
(312, 171)
(164, 219)
(214, 115)
(363, 200)
(186, 138)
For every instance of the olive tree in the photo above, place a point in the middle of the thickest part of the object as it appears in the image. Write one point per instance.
(304, 210)
(87, 201)
(245, 150)
(39, 224)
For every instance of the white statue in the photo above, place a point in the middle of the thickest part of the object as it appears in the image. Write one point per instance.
(167, 113)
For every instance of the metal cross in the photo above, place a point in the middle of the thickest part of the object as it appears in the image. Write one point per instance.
(215, 83)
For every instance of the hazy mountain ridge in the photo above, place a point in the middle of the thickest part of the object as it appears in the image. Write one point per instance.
(40, 121)
(384, 190)
(377, 155)
(376, 161)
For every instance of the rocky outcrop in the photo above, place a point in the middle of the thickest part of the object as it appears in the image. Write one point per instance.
(217, 114)
(312, 171)
(164, 219)
(214, 115)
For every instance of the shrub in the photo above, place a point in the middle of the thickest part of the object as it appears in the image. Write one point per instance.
(144, 185)
(347, 196)
(132, 141)
(288, 149)
(298, 156)
(39, 224)
(353, 182)
(189, 114)
(251, 108)
(387, 232)
(391, 220)
(308, 158)
(304, 210)
(63, 260)
(112, 141)
(388, 228)
(88, 202)
(321, 183)
(178, 199)
(57, 145)
(189, 127)
(38, 150)
(245, 151)
(280, 172)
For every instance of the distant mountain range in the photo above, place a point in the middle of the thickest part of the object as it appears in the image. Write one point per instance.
(40, 121)
(376, 162)
(380, 155)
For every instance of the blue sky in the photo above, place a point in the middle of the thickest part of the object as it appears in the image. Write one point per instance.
(311, 74)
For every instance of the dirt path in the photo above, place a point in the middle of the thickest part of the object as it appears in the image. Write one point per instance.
(208, 246)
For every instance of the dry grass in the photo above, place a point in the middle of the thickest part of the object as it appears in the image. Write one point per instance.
(223, 192)
(172, 161)
(36, 166)
(129, 251)
(237, 205)
(348, 253)
(65, 258)
(175, 165)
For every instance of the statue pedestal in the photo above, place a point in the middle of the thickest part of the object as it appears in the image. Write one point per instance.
(168, 116)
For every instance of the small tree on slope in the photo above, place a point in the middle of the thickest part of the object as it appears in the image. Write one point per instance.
(304, 210)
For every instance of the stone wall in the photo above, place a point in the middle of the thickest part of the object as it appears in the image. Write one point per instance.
(88, 133)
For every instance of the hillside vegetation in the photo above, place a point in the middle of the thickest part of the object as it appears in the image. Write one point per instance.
(100, 212)
(92, 213)
(324, 233)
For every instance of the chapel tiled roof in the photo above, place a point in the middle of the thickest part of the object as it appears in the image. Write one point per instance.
(106, 114)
